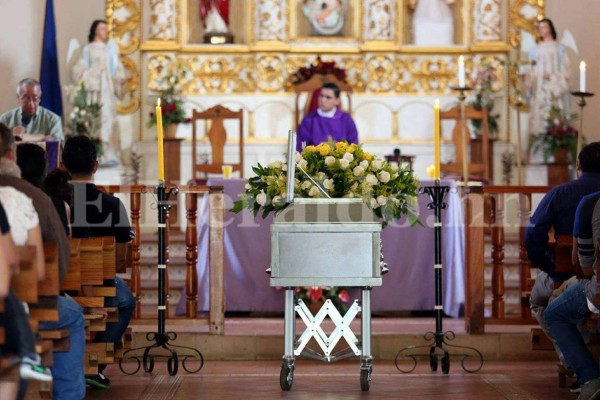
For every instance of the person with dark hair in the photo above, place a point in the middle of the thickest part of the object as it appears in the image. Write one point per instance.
(101, 71)
(67, 371)
(97, 214)
(550, 77)
(557, 211)
(30, 117)
(328, 122)
(33, 163)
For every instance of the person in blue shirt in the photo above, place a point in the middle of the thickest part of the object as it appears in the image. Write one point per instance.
(557, 210)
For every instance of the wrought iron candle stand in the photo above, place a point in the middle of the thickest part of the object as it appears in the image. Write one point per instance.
(581, 103)
(438, 341)
(162, 340)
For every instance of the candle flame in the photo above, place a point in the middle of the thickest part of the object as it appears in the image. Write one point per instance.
(582, 66)
(158, 102)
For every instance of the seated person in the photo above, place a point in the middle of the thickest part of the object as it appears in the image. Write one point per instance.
(30, 117)
(328, 122)
(97, 214)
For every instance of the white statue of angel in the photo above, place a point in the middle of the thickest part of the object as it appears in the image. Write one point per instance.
(98, 66)
(547, 81)
(433, 24)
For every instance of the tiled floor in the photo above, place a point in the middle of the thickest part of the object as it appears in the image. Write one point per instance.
(315, 380)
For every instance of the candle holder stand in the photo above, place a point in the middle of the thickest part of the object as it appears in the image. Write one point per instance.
(581, 103)
(162, 346)
(438, 341)
(461, 98)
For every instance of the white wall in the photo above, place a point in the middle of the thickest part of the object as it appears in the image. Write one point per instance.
(22, 23)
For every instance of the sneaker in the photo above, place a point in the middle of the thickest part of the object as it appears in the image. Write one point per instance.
(590, 390)
(32, 369)
(575, 387)
(98, 381)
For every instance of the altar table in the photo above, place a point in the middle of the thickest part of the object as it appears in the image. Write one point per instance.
(409, 252)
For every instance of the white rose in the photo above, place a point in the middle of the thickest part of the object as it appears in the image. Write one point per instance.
(328, 184)
(384, 176)
(354, 186)
(364, 164)
(305, 185)
(344, 163)
(381, 200)
(394, 167)
(394, 175)
(72, 115)
(302, 163)
(284, 167)
(377, 163)
(262, 198)
(299, 157)
(314, 192)
(320, 176)
(329, 161)
(247, 186)
(358, 171)
(348, 156)
(373, 203)
(396, 201)
(76, 109)
(275, 164)
(371, 179)
(82, 112)
(276, 200)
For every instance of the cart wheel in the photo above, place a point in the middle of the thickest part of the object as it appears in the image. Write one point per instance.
(433, 359)
(446, 363)
(365, 379)
(286, 376)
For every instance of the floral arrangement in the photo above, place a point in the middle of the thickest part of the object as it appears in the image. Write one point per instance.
(171, 105)
(341, 170)
(319, 67)
(84, 119)
(484, 85)
(559, 134)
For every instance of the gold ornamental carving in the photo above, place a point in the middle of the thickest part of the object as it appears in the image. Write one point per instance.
(487, 20)
(380, 72)
(270, 20)
(378, 21)
(270, 74)
(163, 20)
(123, 17)
(524, 15)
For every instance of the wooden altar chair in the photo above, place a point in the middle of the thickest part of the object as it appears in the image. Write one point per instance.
(311, 86)
(400, 159)
(480, 157)
(217, 137)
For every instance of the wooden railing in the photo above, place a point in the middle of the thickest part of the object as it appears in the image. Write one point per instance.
(484, 215)
(216, 201)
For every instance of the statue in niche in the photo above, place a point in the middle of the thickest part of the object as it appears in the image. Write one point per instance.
(326, 17)
(215, 19)
(432, 22)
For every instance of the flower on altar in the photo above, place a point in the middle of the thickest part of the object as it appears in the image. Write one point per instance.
(84, 119)
(485, 84)
(559, 134)
(172, 108)
(341, 170)
(338, 295)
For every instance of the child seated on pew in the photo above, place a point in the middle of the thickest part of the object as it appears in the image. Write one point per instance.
(19, 338)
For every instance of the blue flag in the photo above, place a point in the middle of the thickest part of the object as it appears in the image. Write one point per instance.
(49, 77)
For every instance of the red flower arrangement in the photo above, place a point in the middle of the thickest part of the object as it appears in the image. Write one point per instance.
(319, 67)
(338, 295)
(172, 106)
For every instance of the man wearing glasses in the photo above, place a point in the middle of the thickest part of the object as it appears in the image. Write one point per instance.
(328, 122)
(29, 117)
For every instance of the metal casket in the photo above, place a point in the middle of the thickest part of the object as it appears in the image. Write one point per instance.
(325, 242)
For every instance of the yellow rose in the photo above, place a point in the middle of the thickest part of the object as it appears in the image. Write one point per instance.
(352, 148)
(324, 150)
(311, 148)
(367, 156)
(341, 146)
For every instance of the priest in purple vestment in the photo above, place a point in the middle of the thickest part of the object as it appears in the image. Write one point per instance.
(328, 122)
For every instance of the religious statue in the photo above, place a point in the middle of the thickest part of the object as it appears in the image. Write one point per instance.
(326, 16)
(432, 22)
(549, 80)
(215, 19)
(99, 68)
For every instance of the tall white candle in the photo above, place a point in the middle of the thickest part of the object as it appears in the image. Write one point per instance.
(461, 71)
(582, 77)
